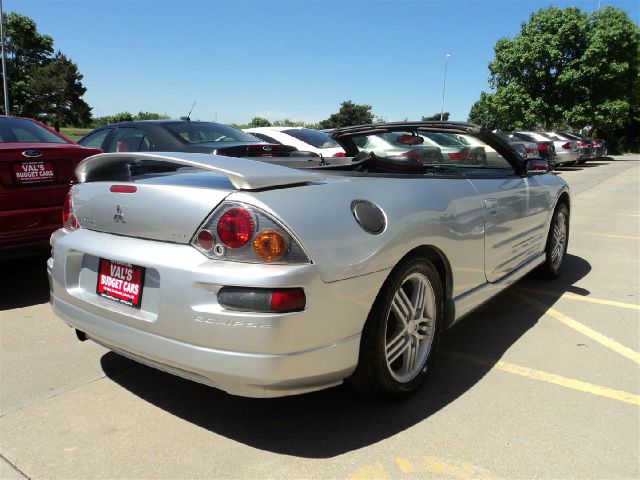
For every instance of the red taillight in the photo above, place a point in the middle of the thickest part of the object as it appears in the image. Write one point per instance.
(597, 144)
(288, 300)
(69, 220)
(123, 189)
(583, 144)
(245, 299)
(567, 146)
(458, 156)
(530, 150)
(235, 227)
(543, 147)
(340, 154)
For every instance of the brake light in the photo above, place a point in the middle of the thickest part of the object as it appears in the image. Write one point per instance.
(235, 228)
(582, 144)
(543, 147)
(240, 232)
(340, 154)
(69, 220)
(123, 189)
(458, 156)
(597, 144)
(567, 146)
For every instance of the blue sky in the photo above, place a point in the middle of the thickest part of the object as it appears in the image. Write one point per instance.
(295, 59)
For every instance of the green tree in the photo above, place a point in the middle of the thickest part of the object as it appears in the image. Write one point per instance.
(566, 68)
(537, 61)
(26, 50)
(120, 117)
(348, 115)
(259, 122)
(608, 75)
(510, 107)
(436, 117)
(57, 91)
(150, 116)
(42, 85)
(287, 123)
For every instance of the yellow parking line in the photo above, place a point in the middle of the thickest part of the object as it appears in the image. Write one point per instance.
(579, 327)
(442, 468)
(580, 298)
(628, 237)
(571, 383)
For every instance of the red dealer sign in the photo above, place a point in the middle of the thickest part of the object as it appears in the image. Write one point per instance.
(33, 172)
(121, 282)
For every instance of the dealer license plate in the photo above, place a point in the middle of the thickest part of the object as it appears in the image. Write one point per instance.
(121, 282)
(33, 172)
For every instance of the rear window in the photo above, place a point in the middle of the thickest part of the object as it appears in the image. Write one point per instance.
(206, 132)
(17, 130)
(314, 138)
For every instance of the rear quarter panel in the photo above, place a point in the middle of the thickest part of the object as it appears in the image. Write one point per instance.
(444, 213)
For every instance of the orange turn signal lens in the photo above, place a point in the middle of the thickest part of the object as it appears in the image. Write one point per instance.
(269, 245)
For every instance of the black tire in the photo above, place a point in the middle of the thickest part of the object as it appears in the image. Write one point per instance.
(386, 335)
(558, 233)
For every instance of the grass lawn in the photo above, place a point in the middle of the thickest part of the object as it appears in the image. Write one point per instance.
(74, 134)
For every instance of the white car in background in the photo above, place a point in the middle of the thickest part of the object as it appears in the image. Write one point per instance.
(304, 139)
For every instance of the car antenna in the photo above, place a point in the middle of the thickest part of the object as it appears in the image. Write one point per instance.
(189, 114)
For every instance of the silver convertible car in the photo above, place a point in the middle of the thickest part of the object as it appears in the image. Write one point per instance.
(279, 277)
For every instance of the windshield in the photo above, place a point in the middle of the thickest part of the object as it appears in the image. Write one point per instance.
(208, 132)
(314, 138)
(18, 130)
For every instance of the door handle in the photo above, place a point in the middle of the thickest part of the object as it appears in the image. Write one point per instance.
(491, 204)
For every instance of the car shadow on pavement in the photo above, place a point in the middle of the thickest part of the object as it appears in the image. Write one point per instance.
(24, 282)
(595, 164)
(335, 421)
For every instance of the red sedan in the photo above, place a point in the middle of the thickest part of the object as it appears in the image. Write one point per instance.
(36, 169)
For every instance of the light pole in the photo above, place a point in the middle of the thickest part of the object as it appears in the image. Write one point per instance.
(4, 63)
(444, 83)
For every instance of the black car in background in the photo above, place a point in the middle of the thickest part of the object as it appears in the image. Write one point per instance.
(181, 136)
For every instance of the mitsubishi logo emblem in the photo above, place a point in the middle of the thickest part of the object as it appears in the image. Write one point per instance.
(119, 216)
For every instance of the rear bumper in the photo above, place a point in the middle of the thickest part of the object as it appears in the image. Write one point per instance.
(20, 229)
(181, 328)
(566, 156)
(238, 373)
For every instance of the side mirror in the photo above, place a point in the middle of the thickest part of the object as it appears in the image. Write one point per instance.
(537, 166)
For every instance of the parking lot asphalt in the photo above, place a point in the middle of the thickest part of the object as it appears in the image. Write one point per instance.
(544, 381)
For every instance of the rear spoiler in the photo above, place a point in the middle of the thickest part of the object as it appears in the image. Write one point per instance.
(242, 173)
